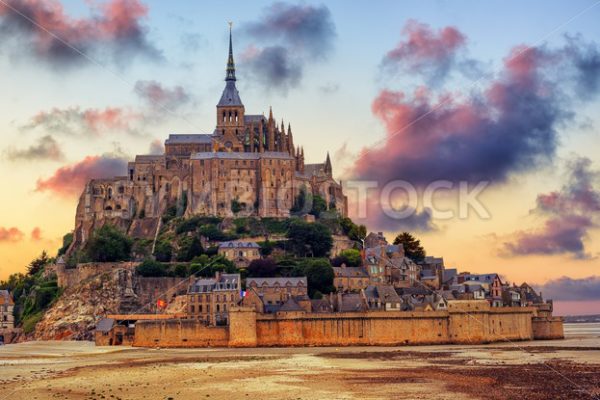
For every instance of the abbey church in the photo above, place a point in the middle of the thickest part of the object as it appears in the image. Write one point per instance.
(248, 166)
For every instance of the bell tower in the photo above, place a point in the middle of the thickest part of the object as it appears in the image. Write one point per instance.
(230, 109)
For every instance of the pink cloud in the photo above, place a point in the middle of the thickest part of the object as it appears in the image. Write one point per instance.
(70, 180)
(159, 96)
(115, 25)
(36, 234)
(11, 234)
(77, 121)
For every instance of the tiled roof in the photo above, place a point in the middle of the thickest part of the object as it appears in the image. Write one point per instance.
(189, 138)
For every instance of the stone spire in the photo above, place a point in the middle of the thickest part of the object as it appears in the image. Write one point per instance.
(230, 64)
(271, 131)
(328, 169)
(290, 140)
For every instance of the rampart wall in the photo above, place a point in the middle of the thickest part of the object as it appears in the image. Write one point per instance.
(179, 333)
(548, 328)
(474, 323)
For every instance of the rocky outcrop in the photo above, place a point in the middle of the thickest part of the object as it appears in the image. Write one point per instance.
(74, 315)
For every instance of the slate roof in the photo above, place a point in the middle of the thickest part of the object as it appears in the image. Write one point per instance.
(230, 96)
(148, 158)
(189, 138)
(290, 305)
(236, 244)
(105, 324)
(254, 118)
(485, 278)
(294, 281)
(225, 282)
(313, 169)
(207, 155)
(352, 302)
(321, 305)
(385, 293)
(350, 272)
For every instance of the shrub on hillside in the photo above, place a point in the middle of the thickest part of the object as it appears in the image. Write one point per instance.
(151, 268)
(309, 239)
(109, 244)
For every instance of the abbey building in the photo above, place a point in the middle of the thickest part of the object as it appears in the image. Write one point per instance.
(248, 166)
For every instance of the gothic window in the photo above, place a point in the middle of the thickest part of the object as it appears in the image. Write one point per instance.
(110, 192)
(224, 117)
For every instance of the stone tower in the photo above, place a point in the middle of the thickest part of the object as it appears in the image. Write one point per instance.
(230, 110)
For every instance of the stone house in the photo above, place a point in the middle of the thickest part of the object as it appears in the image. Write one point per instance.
(210, 299)
(271, 293)
(387, 264)
(382, 297)
(6, 310)
(241, 253)
(349, 279)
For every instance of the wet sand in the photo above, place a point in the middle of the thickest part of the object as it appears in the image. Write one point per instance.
(566, 369)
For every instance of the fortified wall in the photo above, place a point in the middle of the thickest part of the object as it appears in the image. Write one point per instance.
(468, 322)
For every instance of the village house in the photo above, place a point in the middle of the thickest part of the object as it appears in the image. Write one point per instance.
(382, 297)
(210, 299)
(241, 253)
(6, 310)
(387, 264)
(270, 294)
(375, 239)
(432, 271)
(348, 279)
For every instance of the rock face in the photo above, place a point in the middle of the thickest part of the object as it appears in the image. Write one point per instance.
(75, 313)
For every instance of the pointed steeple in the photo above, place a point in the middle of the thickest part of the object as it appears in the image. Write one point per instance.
(230, 64)
(290, 140)
(328, 169)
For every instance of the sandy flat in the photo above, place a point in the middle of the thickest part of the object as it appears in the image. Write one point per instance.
(565, 369)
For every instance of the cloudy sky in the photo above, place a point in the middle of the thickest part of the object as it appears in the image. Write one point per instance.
(496, 99)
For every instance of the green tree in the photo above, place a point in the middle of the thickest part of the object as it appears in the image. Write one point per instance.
(319, 275)
(181, 270)
(236, 206)
(109, 244)
(66, 243)
(309, 239)
(319, 205)
(163, 251)
(190, 248)
(37, 264)
(412, 246)
(151, 268)
(262, 268)
(299, 201)
(350, 257)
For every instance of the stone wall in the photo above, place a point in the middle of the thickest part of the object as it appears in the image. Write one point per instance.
(463, 323)
(548, 328)
(179, 333)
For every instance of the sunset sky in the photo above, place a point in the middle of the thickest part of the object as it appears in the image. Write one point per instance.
(503, 92)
